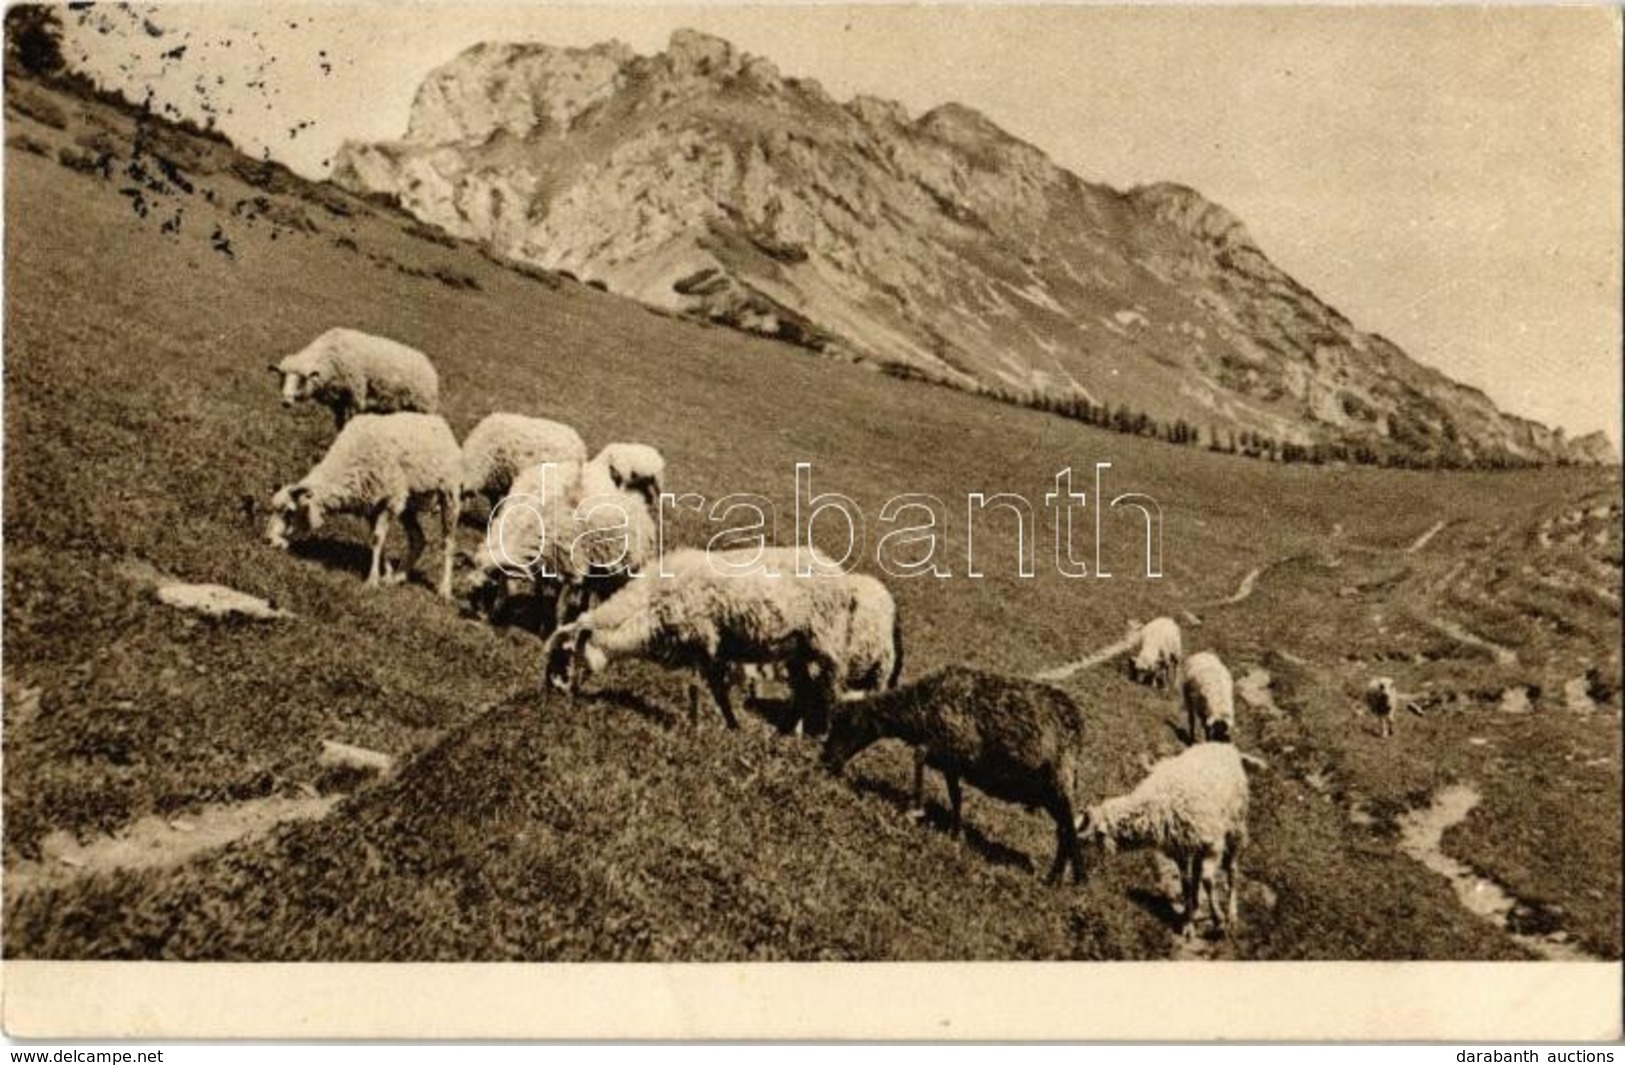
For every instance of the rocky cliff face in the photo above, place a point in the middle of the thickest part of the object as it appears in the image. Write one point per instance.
(702, 180)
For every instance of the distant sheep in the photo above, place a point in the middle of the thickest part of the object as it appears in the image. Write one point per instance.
(821, 629)
(1157, 654)
(381, 466)
(1014, 739)
(1193, 808)
(635, 467)
(353, 373)
(1383, 699)
(504, 445)
(1209, 694)
(554, 529)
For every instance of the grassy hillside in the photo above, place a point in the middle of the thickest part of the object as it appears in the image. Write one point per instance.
(139, 417)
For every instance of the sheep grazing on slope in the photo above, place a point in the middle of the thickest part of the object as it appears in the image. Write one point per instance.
(1191, 807)
(504, 445)
(1209, 694)
(1157, 654)
(1014, 739)
(704, 614)
(381, 466)
(1382, 699)
(635, 467)
(556, 530)
(353, 373)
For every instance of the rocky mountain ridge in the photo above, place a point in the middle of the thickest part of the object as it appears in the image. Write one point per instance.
(704, 181)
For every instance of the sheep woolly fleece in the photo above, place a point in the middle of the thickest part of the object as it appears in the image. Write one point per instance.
(385, 459)
(503, 446)
(698, 616)
(1015, 739)
(636, 467)
(574, 528)
(1161, 647)
(1209, 694)
(360, 372)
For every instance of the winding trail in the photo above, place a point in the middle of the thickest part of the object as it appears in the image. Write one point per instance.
(1105, 654)
(1243, 590)
(1422, 838)
(1422, 541)
(1503, 656)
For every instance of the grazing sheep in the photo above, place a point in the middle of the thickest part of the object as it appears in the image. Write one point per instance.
(698, 615)
(1382, 699)
(1193, 808)
(1158, 653)
(504, 445)
(381, 466)
(556, 528)
(635, 467)
(1209, 694)
(354, 373)
(1014, 739)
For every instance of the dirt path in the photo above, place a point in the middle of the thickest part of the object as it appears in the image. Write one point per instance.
(1243, 590)
(154, 842)
(1422, 837)
(1504, 656)
(1422, 541)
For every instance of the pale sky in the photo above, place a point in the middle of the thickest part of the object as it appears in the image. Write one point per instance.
(1448, 177)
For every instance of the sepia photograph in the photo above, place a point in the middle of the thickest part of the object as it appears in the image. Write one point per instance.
(671, 494)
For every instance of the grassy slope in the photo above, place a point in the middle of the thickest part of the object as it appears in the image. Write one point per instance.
(138, 414)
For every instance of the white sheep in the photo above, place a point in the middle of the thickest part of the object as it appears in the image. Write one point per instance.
(353, 373)
(555, 528)
(703, 613)
(502, 446)
(1192, 807)
(1158, 652)
(635, 467)
(1209, 694)
(380, 466)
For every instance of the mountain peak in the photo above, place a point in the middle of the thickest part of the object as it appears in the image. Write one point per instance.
(1193, 214)
(700, 181)
(692, 53)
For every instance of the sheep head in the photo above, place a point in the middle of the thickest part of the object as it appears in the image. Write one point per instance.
(1092, 831)
(568, 651)
(851, 729)
(293, 509)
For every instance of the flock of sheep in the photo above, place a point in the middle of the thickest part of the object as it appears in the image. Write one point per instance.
(579, 530)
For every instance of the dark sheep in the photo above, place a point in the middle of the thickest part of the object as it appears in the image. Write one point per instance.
(1014, 739)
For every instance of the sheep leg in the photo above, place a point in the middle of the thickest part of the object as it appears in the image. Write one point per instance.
(412, 521)
(917, 812)
(716, 677)
(1066, 845)
(450, 508)
(1210, 865)
(1232, 846)
(813, 696)
(1190, 886)
(955, 799)
(380, 533)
